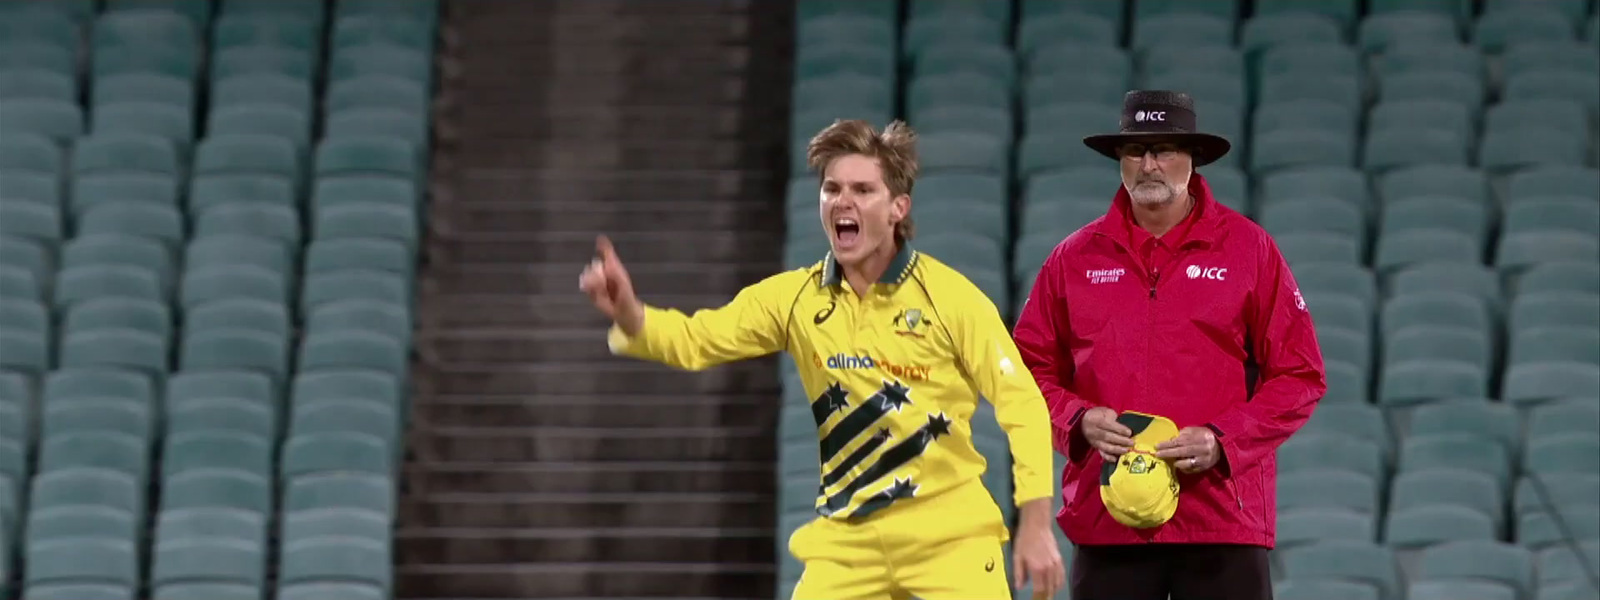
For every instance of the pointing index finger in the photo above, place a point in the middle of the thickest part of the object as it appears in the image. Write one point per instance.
(607, 254)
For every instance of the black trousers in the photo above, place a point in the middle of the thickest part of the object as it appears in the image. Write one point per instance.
(1175, 571)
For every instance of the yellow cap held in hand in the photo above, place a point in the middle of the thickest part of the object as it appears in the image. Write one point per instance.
(1140, 490)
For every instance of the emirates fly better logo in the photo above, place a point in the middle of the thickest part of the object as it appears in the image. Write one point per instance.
(1104, 275)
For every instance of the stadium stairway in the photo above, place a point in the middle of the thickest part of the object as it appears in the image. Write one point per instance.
(545, 468)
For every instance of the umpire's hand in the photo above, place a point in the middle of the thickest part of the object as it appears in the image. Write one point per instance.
(1105, 434)
(1194, 450)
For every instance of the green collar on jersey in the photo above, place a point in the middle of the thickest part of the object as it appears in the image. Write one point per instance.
(899, 268)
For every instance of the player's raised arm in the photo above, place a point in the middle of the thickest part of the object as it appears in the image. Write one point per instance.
(746, 327)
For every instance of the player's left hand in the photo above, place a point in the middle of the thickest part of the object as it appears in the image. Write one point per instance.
(1035, 556)
(1194, 450)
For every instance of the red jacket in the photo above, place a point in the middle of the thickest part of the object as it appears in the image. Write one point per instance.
(1099, 330)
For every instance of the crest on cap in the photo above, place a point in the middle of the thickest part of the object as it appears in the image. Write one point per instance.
(1152, 116)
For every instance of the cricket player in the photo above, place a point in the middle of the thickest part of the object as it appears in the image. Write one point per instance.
(895, 348)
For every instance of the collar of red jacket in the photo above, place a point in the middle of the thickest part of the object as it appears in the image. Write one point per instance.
(1203, 223)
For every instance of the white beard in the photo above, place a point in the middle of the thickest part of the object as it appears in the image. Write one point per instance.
(1154, 194)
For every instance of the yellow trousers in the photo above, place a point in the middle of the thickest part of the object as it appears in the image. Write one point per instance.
(943, 548)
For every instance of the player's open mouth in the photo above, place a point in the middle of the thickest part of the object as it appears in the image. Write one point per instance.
(846, 231)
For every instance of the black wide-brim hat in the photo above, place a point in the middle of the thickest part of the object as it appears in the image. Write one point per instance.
(1154, 116)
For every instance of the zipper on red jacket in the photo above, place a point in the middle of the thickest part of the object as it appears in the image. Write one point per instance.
(1155, 277)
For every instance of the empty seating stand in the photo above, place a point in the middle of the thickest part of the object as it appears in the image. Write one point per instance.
(209, 214)
(1431, 171)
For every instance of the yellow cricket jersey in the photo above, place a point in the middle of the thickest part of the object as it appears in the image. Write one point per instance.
(894, 376)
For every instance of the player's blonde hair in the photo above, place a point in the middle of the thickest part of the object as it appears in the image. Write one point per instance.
(895, 149)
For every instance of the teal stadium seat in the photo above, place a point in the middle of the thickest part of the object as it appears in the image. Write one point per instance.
(1082, 58)
(1307, 526)
(811, 61)
(311, 9)
(261, 59)
(175, 123)
(1268, 29)
(359, 254)
(32, 83)
(1495, 31)
(215, 451)
(274, 222)
(143, 87)
(266, 89)
(1323, 589)
(1436, 213)
(196, 11)
(924, 33)
(57, 120)
(383, 92)
(236, 347)
(48, 523)
(376, 419)
(208, 284)
(1549, 181)
(96, 189)
(158, 222)
(91, 487)
(1326, 115)
(263, 119)
(1462, 276)
(337, 559)
(210, 190)
(232, 415)
(195, 545)
(391, 320)
(287, 31)
(43, 23)
(93, 415)
(1329, 489)
(336, 522)
(131, 349)
(29, 153)
(208, 591)
(1364, 563)
(31, 225)
(186, 386)
(20, 52)
(313, 591)
(1326, 451)
(380, 59)
(357, 491)
(98, 559)
(249, 154)
(1180, 27)
(76, 591)
(367, 155)
(267, 317)
(217, 488)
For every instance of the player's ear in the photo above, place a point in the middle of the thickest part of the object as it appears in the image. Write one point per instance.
(900, 207)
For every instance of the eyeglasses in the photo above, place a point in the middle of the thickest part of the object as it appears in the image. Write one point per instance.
(1163, 152)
